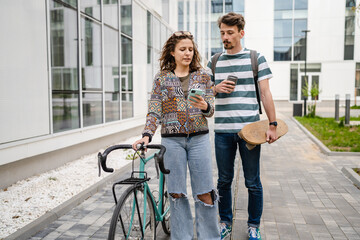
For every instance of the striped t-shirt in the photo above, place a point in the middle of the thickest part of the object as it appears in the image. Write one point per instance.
(235, 110)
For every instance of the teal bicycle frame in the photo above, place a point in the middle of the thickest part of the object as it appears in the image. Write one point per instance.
(157, 207)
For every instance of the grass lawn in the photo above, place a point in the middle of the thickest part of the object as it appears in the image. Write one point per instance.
(335, 136)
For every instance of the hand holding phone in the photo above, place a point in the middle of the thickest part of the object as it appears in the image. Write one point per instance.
(194, 92)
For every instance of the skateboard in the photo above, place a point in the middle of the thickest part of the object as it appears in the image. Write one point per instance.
(255, 133)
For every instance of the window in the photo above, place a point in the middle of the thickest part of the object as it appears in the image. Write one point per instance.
(290, 19)
(115, 91)
(181, 15)
(126, 16)
(217, 6)
(64, 66)
(293, 82)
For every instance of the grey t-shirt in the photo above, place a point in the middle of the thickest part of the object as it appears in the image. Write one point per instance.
(185, 84)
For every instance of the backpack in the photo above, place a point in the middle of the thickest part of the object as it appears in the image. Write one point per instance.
(254, 66)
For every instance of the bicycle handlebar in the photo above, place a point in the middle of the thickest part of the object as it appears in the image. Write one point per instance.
(159, 157)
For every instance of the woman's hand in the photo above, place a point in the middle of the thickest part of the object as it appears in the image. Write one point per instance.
(144, 140)
(198, 102)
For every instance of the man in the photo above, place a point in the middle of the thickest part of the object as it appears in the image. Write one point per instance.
(235, 106)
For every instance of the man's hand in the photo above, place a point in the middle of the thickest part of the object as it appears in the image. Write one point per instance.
(144, 140)
(271, 135)
(198, 102)
(225, 86)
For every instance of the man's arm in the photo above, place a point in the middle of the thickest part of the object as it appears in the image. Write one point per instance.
(268, 103)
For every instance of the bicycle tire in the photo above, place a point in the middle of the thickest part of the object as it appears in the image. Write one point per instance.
(165, 204)
(121, 219)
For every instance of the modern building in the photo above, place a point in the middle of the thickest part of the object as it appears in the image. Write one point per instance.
(276, 28)
(74, 77)
(75, 74)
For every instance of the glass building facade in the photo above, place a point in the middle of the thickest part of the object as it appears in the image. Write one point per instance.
(91, 78)
(290, 20)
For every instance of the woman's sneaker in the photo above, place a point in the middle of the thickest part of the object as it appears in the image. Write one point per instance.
(225, 230)
(254, 233)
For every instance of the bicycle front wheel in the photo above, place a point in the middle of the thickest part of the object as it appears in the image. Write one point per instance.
(131, 219)
(165, 207)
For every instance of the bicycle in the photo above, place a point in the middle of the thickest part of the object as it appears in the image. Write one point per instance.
(133, 217)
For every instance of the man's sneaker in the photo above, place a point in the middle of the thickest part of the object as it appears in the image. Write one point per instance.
(254, 233)
(225, 230)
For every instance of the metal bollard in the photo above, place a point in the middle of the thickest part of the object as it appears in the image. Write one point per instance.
(337, 104)
(347, 109)
(305, 98)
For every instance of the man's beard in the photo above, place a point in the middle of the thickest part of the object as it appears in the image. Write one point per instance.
(227, 45)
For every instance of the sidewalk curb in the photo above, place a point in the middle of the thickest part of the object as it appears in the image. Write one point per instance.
(352, 175)
(322, 147)
(40, 223)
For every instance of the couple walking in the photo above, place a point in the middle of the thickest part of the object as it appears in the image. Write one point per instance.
(185, 132)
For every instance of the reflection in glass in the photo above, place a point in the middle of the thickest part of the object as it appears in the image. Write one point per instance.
(112, 106)
(293, 83)
(72, 3)
(126, 50)
(301, 4)
(282, 28)
(234, 6)
(126, 15)
(283, 4)
(180, 15)
(299, 26)
(127, 105)
(282, 53)
(64, 67)
(216, 6)
(315, 84)
(126, 78)
(349, 38)
(64, 79)
(110, 10)
(111, 59)
(91, 8)
(92, 109)
(91, 54)
(65, 109)
(303, 80)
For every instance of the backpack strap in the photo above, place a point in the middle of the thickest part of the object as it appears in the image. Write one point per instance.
(214, 60)
(254, 66)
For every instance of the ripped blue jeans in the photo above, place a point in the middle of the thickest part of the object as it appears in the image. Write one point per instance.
(195, 153)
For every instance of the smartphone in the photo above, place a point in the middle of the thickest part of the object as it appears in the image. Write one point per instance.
(232, 78)
(193, 92)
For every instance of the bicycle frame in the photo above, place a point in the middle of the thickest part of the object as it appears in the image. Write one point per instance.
(141, 180)
(159, 214)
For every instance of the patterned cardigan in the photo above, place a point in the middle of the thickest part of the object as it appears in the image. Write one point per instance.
(168, 106)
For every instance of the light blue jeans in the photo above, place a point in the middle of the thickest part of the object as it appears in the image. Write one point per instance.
(195, 153)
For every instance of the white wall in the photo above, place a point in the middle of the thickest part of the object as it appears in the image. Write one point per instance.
(259, 27)
(337, 78)
(280, 83)
(140, 60)
(24, 88)
(326, 23)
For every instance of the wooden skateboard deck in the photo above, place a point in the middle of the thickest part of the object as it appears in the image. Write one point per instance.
(255, 133)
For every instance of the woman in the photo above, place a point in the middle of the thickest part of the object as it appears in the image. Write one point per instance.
(185, 135)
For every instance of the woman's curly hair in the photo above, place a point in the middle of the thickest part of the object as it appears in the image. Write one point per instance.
(167, 61)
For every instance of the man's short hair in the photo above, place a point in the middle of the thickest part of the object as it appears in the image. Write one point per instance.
(232, 19)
